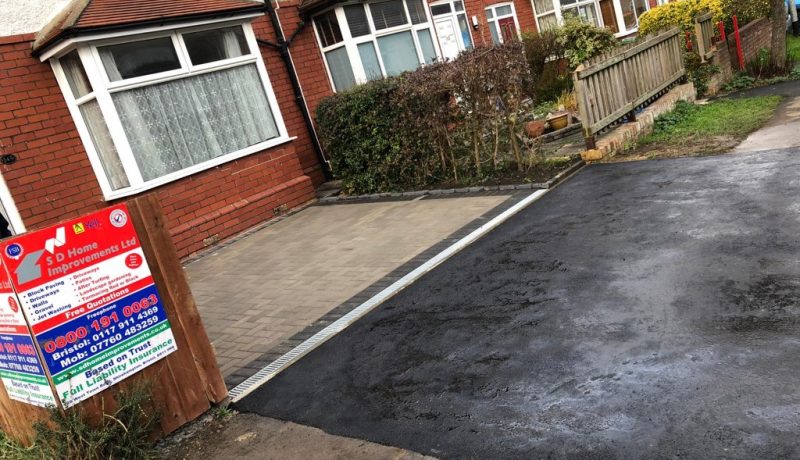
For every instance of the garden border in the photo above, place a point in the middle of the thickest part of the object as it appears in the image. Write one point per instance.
(430, 192)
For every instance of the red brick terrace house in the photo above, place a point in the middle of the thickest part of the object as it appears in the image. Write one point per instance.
(208, 103)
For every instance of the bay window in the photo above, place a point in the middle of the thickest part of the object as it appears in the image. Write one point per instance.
(365, 41)
(155, 108)
(503, 24)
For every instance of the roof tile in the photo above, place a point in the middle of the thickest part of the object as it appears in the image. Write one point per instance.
(82, 15)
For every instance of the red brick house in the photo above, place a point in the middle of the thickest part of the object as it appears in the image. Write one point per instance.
(208, 103)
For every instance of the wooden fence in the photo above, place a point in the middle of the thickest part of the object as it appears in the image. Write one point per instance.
(187, 382)
(704, 34)
(612, 86)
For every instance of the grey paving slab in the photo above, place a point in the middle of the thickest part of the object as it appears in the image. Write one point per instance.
(257, 293)
(640, 310)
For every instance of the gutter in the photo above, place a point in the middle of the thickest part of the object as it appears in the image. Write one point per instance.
(282, 46)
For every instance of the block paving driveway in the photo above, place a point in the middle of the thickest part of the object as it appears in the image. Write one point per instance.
(639, 310)
(262, 295)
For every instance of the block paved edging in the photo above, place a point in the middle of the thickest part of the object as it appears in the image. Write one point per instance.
(482, 188)
(616, 140)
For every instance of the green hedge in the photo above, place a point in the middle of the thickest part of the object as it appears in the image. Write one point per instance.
(371, 148)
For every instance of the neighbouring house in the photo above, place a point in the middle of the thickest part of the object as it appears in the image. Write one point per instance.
(209, 103)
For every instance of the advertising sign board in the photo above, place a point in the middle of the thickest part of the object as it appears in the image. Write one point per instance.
(90, 301)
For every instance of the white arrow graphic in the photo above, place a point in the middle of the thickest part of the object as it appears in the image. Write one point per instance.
(58, 241)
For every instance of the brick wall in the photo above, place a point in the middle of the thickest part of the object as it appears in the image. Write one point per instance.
(53, 179)
(755, 36)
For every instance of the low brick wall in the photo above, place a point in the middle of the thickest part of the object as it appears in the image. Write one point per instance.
(755, 36)
(616, 140)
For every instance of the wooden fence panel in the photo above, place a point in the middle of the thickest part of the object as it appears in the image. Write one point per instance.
(612, 86)
(704, 34)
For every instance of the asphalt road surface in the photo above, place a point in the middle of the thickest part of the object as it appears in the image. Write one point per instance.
(640, 310)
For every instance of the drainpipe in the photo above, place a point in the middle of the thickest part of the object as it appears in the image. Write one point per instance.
(282, 46)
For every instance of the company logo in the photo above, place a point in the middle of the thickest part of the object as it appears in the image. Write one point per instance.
(133, 260)
(60, 240)
(14, 250)
(93, 223)
(78, 228)
(12, 303)
(118, 218)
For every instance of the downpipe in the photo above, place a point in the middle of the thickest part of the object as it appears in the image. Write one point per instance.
(282, 45)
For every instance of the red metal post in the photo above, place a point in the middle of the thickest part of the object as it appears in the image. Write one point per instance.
(688, 41)
(722, 35)
(738, 38)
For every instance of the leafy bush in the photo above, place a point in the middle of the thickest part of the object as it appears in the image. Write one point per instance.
(458, 121)
(550, 76)
(366, 138)
(583, 41)
(678, 14)
(699, 72)
(682, 13)
(762, 66)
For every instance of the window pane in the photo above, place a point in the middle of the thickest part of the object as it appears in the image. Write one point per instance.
(426, 43)
(398, 53)
(440, 9)
(328, 28)
(462, 24)
(340, 68)
(76, 75)
(503, 10)
(216, 45)
(548, 22)
(543, 6)
(104, 145)
(495, 35)
(357, 20)
(388, 14)
(489, 14)
(459, 6)
(181, 123)
(135, 59)
(417, 11)
(369, 59)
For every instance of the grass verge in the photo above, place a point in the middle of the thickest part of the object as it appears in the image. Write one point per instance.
(705, 129)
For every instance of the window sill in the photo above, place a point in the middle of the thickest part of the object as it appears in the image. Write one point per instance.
(129, 191)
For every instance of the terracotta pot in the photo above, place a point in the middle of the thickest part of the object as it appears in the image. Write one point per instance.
(535, 128)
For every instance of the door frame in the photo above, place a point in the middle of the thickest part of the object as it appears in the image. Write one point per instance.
(10, 207)
(453, 15)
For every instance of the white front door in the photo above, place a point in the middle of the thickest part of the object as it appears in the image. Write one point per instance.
(449, 43)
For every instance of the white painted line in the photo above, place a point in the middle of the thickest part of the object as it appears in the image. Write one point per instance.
(264, 375)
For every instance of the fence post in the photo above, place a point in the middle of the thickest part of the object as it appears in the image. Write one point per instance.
(701, 40)
(722, 35)
(583, 109)
(738, 39)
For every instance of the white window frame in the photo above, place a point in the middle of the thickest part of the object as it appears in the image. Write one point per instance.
(351, 44)
(623, 30)
(454, 15)
(495, 18)
(103, 88)
(558, 9)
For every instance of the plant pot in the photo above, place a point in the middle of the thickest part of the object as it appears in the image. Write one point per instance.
(559, 120)
(534, 128)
